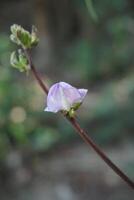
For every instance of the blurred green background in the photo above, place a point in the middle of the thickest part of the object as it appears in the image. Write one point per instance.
(89, 48)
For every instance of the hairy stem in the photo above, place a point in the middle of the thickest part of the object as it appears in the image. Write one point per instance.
(81, 132)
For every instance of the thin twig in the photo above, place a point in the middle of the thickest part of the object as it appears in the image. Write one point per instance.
(89, 141)
(37, 76)
(81, 132)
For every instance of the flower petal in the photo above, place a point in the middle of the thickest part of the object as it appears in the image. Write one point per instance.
(53, 103)
(83, 93)
(71, 93)
(56, 99)
(50, 110)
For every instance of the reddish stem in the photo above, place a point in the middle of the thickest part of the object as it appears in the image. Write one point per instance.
(81, 132)
(37, 76)
(89, 141)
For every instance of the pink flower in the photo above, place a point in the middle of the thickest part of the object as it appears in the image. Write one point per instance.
(63, 97)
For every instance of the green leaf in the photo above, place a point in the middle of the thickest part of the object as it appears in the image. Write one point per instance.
(34, 38)
(23, 38)
(19, 61)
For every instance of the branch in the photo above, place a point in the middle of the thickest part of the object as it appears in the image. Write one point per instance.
(81, 132)
(89, 141)
(37, 76)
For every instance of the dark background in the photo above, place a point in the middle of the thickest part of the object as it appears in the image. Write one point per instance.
(41, 156)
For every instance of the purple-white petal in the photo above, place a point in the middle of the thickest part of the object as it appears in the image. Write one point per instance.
(62, 96)
(83, 93)
(56, 99)
(51, 110)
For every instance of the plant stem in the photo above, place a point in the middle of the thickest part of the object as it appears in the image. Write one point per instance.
(81, 132)
(37, 76)
(89, 141)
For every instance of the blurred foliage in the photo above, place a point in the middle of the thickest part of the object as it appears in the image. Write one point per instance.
(102, 59)
(91, 10)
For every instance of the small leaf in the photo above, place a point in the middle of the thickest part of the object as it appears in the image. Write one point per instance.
(23, 38)
(34, 38)
(19, 61)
